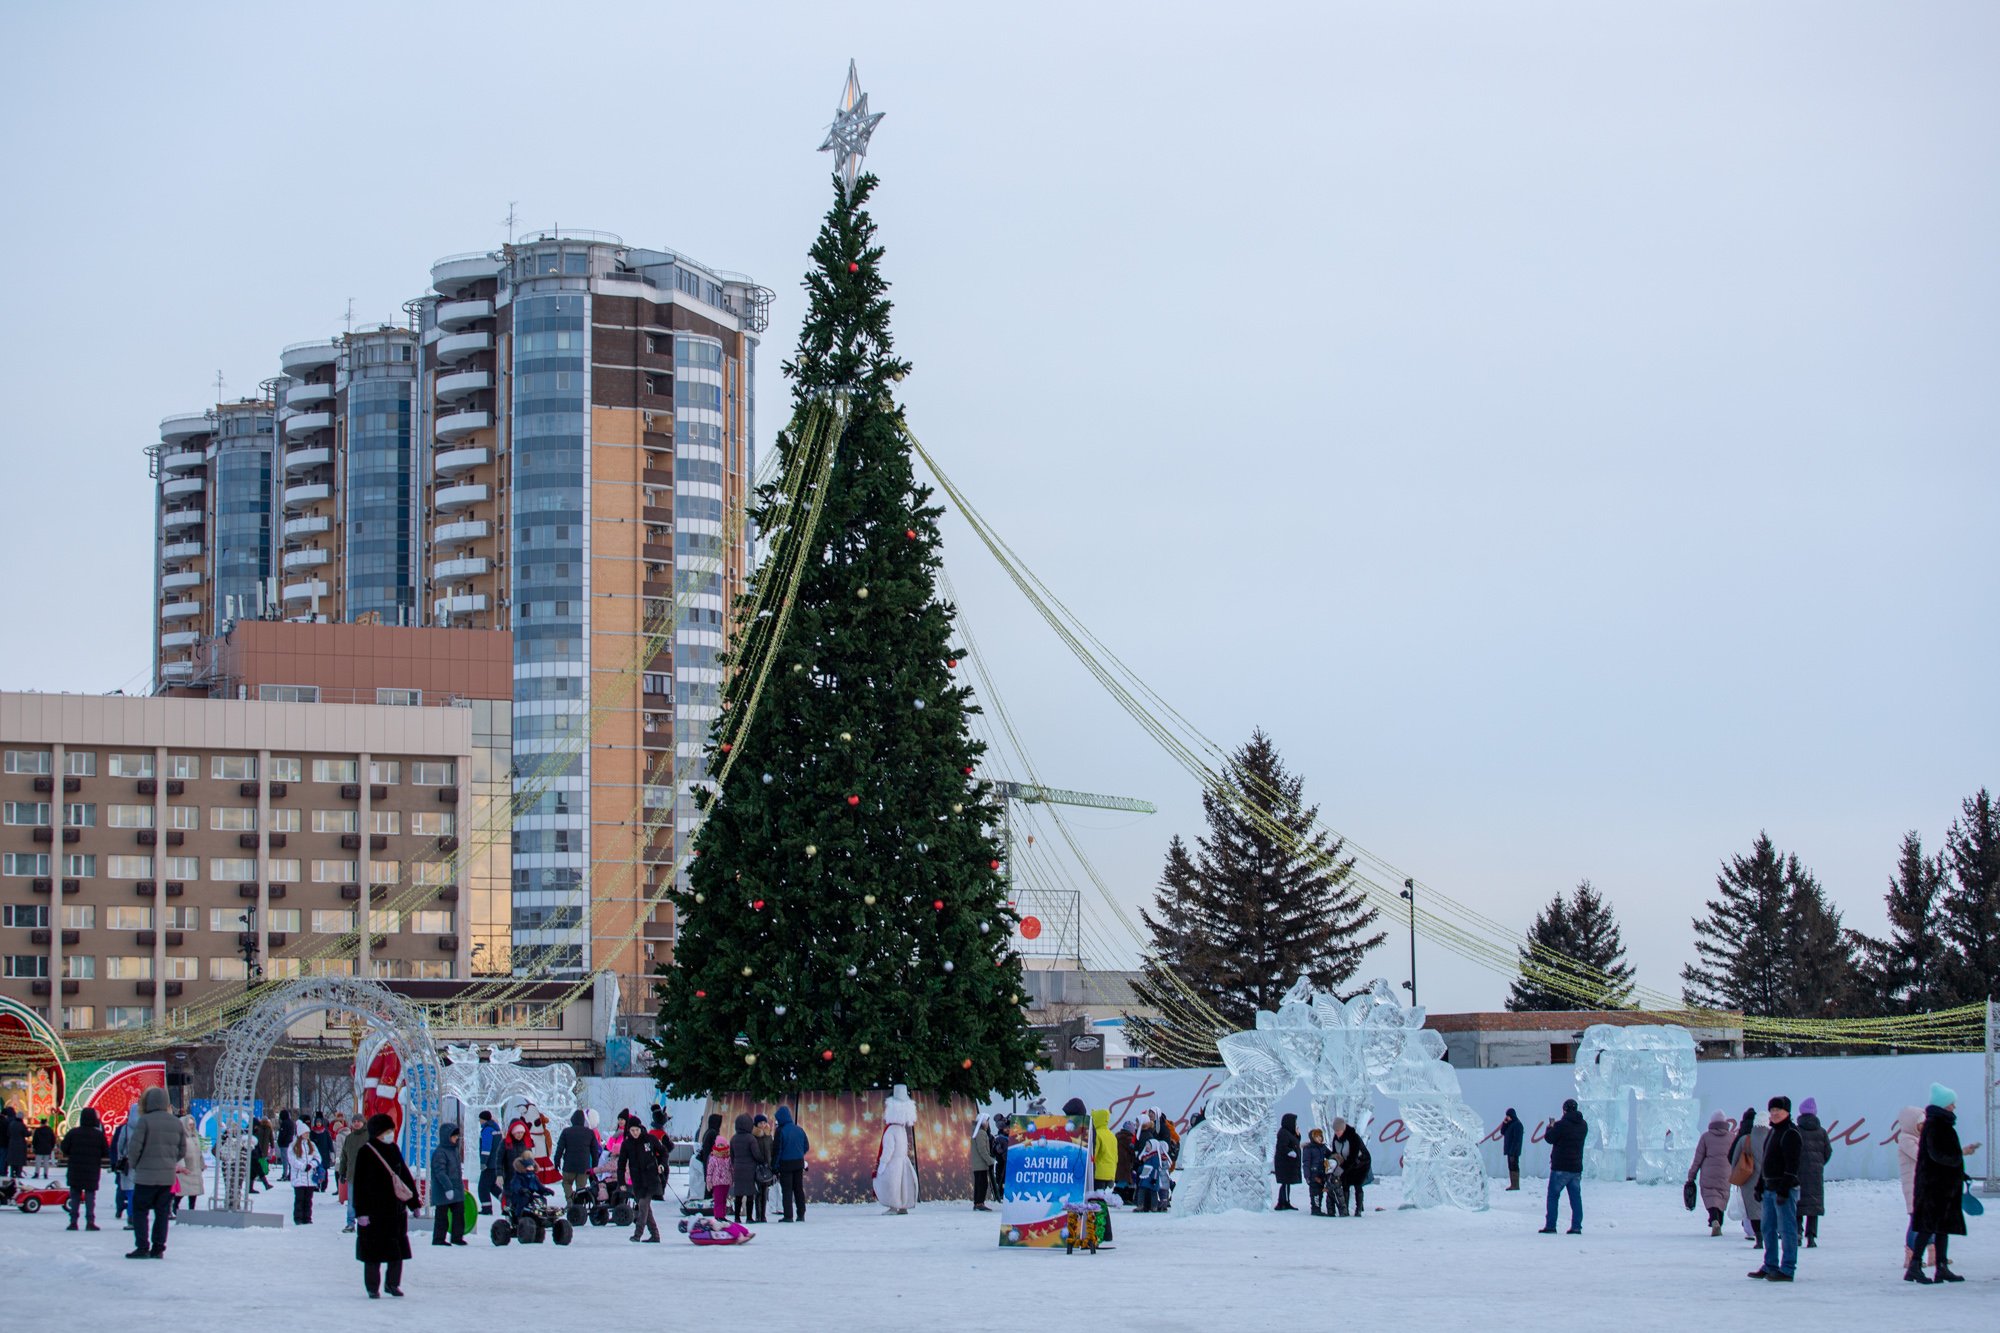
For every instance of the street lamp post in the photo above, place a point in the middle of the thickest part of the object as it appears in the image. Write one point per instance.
(1410, 896)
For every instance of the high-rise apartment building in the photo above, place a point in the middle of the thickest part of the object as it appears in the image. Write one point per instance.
(560, 446)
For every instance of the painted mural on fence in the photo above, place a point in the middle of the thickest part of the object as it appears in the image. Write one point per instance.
(846, 1130)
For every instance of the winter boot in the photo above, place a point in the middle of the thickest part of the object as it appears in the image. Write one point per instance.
(1513, 1178)
(1945, 1274)
(1915, 1272)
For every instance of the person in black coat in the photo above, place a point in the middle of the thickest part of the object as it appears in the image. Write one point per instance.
(43, 1141)
(744, 1158)
(1565, 1139)
(322, 1141)
(448, 1187)
(16, 1136)
(1285, 1162)
(1939, 1200)
(642, 1166)
(87, 1150)
(1777, 1193)
(1510, 1147)
(709, 1134)
(577, 1152)
(381, 1216)
(1355, 1165)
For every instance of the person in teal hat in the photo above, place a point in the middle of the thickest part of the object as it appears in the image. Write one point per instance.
(1938, 1211)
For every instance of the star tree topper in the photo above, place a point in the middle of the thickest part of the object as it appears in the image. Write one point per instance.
(848, 135)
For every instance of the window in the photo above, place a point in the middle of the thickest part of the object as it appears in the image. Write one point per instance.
(334, 872)
(385, 921)
(80, 815)
(332, 921)
(26, 965)
(83, 916)
(129, 967)
(656, 682)
(430, 969)
(131, 765)
(333, 770)
(281, 969)
(184, 817)
(128, 918)
(183, 969)
(285, 770)
(183, 867)
(80, 763)
(77, 1017)
(233, 767)
(284, 821)
(283, 920)
(430, 923)
(26, 864)
(79, 967)
(400, 698)
(430, 874)
(35, 813)
(28, 761)
(80, 865)
(228, 919)
(183, 918)
(130, 867)
(389, 772)
(386, 821)
(385, 872)
(183, 766)
(25, 916)
(333, 967)
(119, 1017)
(336, 821)
(233, 818)
(288, 694)
(432, 773)
(129, 816)
(284, 870)
(433, 823)
(227, 969)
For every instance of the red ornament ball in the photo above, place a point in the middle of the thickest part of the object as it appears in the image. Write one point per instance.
(853, 267)
(994, 864)
(911, 533)
(701, 995)
(725, 747)
(757, 906)
(951, 662)
(968, 770)
(965, 1064)
(854, 800)
(937, 904)
(826, 1055)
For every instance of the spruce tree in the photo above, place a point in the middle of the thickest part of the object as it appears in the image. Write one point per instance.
(1581, 929)
(1902, 974)
(1265, 900)
(1970, 914)
(844, 924)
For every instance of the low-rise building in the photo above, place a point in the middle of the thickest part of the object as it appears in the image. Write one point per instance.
(1504, 1039)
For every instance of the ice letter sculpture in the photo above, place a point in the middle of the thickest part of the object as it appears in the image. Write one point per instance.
(1344, 1050)
(1656, 1065)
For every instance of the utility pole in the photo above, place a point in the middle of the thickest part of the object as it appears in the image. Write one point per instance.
(1410, 895)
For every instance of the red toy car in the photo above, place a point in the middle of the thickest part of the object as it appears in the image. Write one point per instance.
(32, 1200)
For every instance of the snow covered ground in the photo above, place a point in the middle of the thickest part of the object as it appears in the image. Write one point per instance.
(1642, 1263)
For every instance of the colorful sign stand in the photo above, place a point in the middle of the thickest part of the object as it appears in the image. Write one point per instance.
(1047, 1168)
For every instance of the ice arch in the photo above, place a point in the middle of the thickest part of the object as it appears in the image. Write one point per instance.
(1654, 1063)
(401, 1023)
(1345, 1051)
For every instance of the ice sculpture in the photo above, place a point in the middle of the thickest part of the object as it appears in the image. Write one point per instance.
(502, 1080)
(1655, 1064)
(1345, 1051)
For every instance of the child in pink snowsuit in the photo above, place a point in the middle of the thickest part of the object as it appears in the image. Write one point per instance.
(719, 1175)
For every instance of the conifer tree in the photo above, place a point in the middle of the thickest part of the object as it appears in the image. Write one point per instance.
(844, 924)
(1902, 974)
(1238, 923)
(1970, 913)
(1581, 929)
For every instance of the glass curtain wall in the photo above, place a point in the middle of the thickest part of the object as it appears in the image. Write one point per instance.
(244, 514)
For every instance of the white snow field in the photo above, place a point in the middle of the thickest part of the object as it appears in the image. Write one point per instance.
(1642, 1263)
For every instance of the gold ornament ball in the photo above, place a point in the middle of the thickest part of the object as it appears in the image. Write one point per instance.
(798, 667)
(847, 735)
(811, 850)
(868, 898)
(750, 1059)
(862, 593)
(864, 1048)
(746, 969)
(957, 808)
(701, 897)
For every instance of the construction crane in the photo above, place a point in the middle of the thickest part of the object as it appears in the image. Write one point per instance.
(1032, 793)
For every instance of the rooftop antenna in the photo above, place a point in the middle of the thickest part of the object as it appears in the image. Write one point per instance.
(350, 315)
(218, 386)
(511, 219)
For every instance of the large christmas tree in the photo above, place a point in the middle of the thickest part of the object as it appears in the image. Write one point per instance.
(845, 925)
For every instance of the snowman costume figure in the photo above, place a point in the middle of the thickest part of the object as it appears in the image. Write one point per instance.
(895, 1159)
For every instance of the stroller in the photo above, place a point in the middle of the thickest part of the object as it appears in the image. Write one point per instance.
(602, 1202)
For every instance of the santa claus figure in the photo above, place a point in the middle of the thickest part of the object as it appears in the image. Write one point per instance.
(896, 1158)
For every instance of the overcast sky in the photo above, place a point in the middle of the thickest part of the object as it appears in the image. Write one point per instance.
(1568, 428)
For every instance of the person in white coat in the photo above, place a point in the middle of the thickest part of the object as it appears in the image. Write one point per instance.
(302, 1163)
(895, 1160)
(192, 1168)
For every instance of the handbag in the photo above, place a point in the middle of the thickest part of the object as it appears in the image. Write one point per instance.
(1970, 1202)
(1745, 1167)
(403, 1192)
(1688, 1193)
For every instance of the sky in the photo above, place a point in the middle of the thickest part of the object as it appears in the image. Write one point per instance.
(1567, 428)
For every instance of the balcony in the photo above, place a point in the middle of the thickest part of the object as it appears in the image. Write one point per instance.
(179, 610)
(305, 527)
(180, 550)
(462, 568)
(185, 425)
(309, 559)
(306, 494)
(458, 424)
(304, 395)
(457, 274)
(299, 358)
(450, 461)
(183, 460)
(177, 671)
(181, 638)
(180, 488)
(305, 592)
(465, 530)
(457, 314)
(313, 455)
(305, 423)
(458, 497)
(184, 578)
(455, 347)
(462, 383)
(176, 519)
(459, 604)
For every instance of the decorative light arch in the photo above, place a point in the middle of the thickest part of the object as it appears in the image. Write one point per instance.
(401, 1023)
(22, 1029)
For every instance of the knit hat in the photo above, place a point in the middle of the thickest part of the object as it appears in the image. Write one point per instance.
(1717, 1118)
(1942, 1096)
(1780, 1103)
(1809, 1106)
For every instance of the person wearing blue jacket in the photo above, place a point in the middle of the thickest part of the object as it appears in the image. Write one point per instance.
(1565, 1139)
(489, 1174)
(792, 1145)
(448, 1187)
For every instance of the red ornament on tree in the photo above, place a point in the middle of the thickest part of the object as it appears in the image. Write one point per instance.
(701, 995)
(951, 662)
(853, 267)
(826, 1055)
(994, 864)
(937, 904)
(968, 770)
(725, 747)
(965, 1064)
(757, 906)
(854, 800)
(911, 533)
